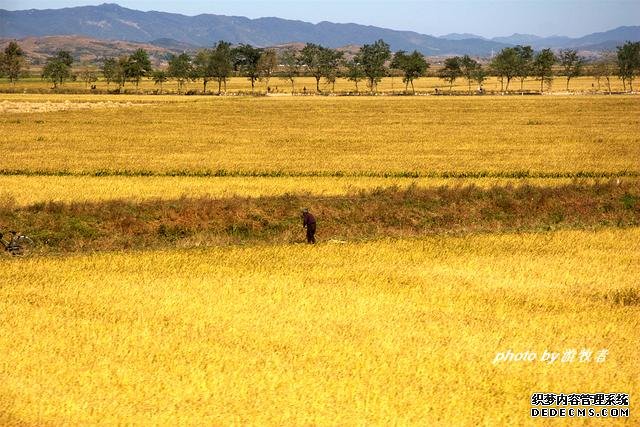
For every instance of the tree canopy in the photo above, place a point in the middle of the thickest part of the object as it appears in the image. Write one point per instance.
(58, 68)
(372, 58)
(12, 61)
(413, 66)
(247, 61)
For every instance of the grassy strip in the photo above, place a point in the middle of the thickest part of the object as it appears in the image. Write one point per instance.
(390, 212)
(292, 174)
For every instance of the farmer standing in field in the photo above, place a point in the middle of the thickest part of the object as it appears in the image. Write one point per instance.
(309, 222)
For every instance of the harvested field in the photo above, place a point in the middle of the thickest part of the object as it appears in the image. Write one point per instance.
(9, 107)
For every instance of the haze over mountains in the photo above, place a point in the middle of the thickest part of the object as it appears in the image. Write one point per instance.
(112, 22)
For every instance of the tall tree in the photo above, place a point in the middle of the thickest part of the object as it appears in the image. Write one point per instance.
(291, 62)
(109, 70)
(88, 75)
(12, 61)
(628, 63)
(524, 55)
(247, 59)
(311, 57)
(222, 58)
(373, 57)
(451, 71)
(159, 77)
(604, 69)
(479, 76)
(58, 68)
(330, 61)
(180, 68)
(203, 67)
(413, 67)
(354, 72)
(571, 64)
(505, 65)
(543, 67)
(122, 65)
(468, 67)
(138, 66)
(267, 65)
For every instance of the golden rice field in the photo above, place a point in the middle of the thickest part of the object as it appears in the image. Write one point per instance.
(297, 335)
(294, 136)
(387, 85)
(375, 331)
(24, 190)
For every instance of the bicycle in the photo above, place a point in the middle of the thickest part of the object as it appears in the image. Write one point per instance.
(17, 245)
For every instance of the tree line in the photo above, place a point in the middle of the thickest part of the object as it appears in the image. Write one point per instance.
(223, 61)
(521, 63)
(370, 64)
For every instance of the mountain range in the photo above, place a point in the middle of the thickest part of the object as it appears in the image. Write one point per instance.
(596, 41)
(180, 32)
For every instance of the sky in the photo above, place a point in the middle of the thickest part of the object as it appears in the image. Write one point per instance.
(488, 18)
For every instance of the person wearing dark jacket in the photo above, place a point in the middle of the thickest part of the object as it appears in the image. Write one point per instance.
(309, 222)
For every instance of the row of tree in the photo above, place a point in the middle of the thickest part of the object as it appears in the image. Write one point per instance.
(223, 61)
(370, 64)
(521, 62)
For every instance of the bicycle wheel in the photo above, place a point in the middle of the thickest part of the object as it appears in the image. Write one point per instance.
(20, 246)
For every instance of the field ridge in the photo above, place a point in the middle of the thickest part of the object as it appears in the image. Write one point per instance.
(379, 213)
(319, 173)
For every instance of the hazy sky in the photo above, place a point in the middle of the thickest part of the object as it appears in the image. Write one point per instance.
(483, 17)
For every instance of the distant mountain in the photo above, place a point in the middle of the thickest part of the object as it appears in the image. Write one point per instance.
(604, 40)
(173, 45)
(620, 34)
(461, 36)
(110, 21)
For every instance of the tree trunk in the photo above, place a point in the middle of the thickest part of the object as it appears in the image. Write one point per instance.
(357, 90)
(624, 84)
(204, 89)
(219, 86)
(568, 79)
(318, 84)
(253, 84)
(609, 85)
(413, 88)
(631, 84)
(541, 85)
(293, 89)
(469, 84)
(507, 88)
